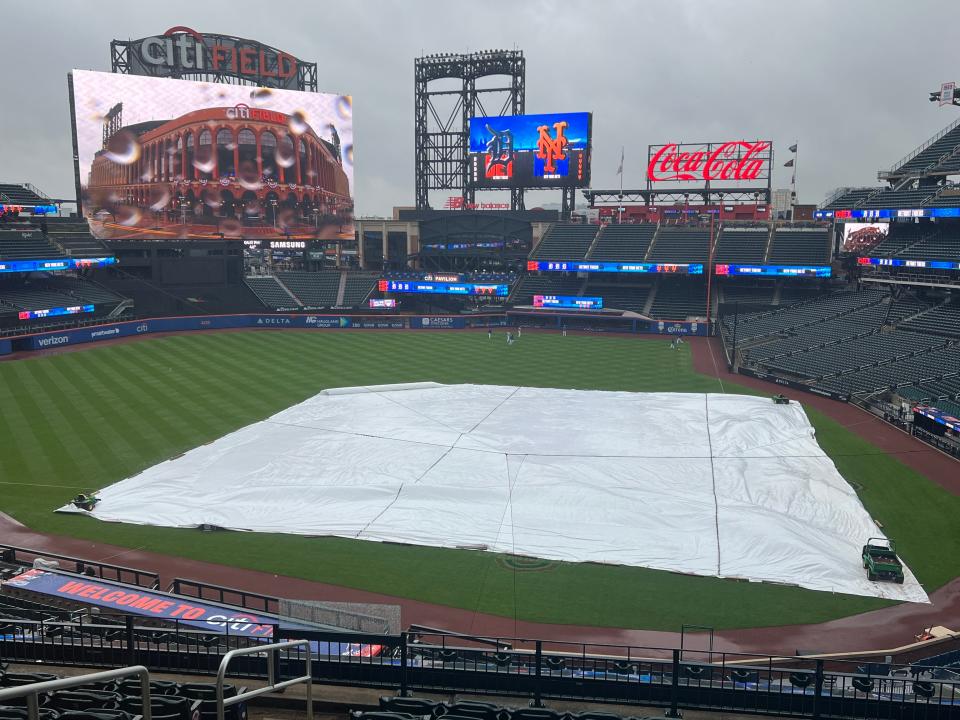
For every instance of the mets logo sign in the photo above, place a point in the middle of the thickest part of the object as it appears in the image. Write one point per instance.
(550, 149)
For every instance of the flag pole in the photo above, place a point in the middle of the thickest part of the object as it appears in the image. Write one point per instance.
(620, 197)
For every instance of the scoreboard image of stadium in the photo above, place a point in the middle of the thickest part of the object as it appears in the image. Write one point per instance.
(572, 302)
(442, 288)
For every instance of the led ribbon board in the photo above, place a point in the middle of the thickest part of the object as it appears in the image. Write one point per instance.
(568, 301)
(614, 267)
(443, 288)
(775, 270)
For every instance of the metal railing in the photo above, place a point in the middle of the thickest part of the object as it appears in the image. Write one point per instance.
(867, 687)
(104, 571)
(272, 684)
(919, 149)
(33, 690)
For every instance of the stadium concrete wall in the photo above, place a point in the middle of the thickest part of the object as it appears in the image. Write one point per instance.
(110, 331)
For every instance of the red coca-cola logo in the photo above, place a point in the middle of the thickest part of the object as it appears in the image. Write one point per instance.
(732, 161)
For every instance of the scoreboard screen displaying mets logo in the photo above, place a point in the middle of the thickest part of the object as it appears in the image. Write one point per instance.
(530, 150)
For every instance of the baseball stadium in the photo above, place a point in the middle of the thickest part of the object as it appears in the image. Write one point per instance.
(678, 449)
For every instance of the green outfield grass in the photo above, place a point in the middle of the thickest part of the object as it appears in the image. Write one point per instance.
(83, 420)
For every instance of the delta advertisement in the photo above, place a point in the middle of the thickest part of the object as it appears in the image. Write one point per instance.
(174, 158)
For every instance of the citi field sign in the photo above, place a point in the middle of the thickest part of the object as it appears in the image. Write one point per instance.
(182, 51)
(734, 161)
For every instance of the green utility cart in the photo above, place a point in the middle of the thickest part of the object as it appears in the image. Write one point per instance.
(881, 562)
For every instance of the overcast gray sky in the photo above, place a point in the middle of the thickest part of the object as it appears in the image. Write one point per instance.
(847, 80)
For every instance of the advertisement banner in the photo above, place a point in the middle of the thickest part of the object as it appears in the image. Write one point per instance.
(5, 347)
(437, 323)
(842, 397)
(667, 327)
(147, 603)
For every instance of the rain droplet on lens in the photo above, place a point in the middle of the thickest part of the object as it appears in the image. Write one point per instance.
(261, 96)
(159, 197)
(348, 154)
(210, 197)
(204, 159)
(285, 156)
(299, 123)
(252, 207)
(248, 177)
(128, 215)
(231, 226)
(123, 148)
(345, 106)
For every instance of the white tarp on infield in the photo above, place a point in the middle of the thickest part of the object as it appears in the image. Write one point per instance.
(725, 485)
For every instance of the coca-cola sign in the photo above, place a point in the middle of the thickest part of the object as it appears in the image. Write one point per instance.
(734, 161)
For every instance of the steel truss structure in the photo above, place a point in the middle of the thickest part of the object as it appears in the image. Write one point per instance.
(707, 196)
(122, 62)
(442, 115)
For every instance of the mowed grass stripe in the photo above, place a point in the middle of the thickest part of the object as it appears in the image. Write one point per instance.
(217, 383)
(38, 444)
(44, 380)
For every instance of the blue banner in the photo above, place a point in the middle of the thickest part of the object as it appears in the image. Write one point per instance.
(5, 347)
(775, 270)
(54, 264)
(614, 267)
(438, 323)
(443, 288)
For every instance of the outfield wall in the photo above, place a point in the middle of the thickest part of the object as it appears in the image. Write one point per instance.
(303, 321)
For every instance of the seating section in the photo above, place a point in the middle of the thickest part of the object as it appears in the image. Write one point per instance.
(357, 287)
(414, 708)
(899, 198)
(734, 292)
(678, 300)
(566, 242)
(74, 237)
(936, 246)
(796, 246)
(818, 310)
(851, 198)
(121, 700)
(17, 194)
(619, 297)
(941, 320)
(313, 289)
(269, 291)
(25, 242)
(741, 246)
(623, 243)
(678, 244)
(858, 342)
(901, 236)
(929, 155)
(545, 284)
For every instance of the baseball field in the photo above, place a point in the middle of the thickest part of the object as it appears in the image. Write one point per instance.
(78, 421)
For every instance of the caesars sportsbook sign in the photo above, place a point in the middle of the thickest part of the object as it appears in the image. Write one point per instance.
(181, 51)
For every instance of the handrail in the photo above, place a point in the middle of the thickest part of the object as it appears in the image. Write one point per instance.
(34, 689)
(920, 148)
(272, 684)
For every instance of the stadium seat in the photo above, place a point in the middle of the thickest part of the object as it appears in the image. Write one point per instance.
(413, 706)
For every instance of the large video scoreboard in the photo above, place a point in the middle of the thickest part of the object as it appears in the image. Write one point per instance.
(530, 151)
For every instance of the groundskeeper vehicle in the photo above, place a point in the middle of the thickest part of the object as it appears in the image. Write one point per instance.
(881, 562)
